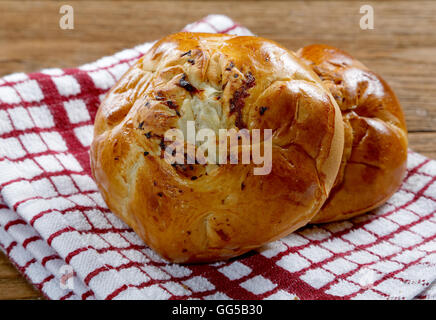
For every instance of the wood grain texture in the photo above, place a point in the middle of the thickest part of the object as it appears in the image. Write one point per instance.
(402, 47)
(12, 284)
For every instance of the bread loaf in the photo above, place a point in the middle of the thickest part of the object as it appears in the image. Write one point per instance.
(207, 212)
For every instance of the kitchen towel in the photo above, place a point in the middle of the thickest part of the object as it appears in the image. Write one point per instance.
(57, 230)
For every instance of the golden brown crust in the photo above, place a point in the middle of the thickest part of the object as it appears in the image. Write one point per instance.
(375, 147)
(218, 81)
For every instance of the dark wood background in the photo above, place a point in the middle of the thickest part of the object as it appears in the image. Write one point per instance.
(402, 48)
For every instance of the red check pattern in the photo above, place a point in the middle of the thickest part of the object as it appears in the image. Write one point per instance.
(52, 215)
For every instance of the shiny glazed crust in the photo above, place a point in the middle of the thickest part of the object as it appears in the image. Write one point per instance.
(199, 213)
(375, 145)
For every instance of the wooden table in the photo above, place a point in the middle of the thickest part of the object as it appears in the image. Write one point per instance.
(402, 48)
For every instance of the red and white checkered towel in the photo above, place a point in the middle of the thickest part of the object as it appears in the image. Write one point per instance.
(53, 221)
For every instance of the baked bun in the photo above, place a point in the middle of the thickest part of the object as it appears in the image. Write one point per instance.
(375, 146)
(209, 212)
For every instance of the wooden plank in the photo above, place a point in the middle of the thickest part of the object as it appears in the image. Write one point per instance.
(424, 143)
(12, 283)
(402, 47)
